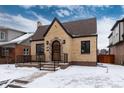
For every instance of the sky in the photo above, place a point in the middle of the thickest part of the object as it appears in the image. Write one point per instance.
(25, 17)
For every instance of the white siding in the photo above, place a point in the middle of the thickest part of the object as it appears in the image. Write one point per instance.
(121, 30)
(116, 34)
(3, 40)
(111, 40)
(13, 34)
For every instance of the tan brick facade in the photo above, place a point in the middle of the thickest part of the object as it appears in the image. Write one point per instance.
(33, 46)
(72, 46)
(76, 49)
(57, 33)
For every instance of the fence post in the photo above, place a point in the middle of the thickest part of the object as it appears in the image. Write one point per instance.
(64, 58)
(31, 59)
(16, 59)
(54, 66)
(40, 61)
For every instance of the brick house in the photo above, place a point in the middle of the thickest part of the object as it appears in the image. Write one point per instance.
(116, 41)
(13, 43)
(78, 39)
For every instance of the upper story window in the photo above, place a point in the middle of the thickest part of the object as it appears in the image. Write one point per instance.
(39, 49)
(85, 47)
(2, 35)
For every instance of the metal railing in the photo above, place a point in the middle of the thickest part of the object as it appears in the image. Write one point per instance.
(30, 58)
(7, 60)
(40, 59)
(64, 58)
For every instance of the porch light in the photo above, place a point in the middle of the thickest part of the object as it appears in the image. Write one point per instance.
(47, 49)
(47, 42)
(63, 41)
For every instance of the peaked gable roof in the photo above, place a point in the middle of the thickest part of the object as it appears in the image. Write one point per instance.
(78, 28)
(55, 19)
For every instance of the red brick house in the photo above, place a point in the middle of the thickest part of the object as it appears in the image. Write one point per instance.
(13, 43)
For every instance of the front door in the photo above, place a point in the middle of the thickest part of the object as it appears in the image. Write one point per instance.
(56, 51)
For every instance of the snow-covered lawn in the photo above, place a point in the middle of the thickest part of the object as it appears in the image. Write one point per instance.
(82, 76)
(72, 77)
(11, 72)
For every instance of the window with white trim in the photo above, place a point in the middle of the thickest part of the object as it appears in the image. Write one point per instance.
(26, 51)
(2, 35)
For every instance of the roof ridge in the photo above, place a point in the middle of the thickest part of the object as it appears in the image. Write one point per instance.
(79, 20)
(69, 21)
(115, 24)
(73, 28)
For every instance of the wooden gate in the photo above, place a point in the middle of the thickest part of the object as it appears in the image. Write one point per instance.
(106, 59)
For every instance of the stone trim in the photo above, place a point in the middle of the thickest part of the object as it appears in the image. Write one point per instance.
(50, 46)
(82, 63)
(55, 19)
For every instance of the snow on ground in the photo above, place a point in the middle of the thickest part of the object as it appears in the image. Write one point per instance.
(12, 72)
(72, 77)
(83, 76)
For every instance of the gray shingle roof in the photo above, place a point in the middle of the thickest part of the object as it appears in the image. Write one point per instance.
(74, 28)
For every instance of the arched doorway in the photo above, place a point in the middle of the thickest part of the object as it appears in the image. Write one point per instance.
(56, 51)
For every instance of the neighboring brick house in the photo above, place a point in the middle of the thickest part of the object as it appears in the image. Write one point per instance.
(116, 41)
(78, 39)
(13, 43)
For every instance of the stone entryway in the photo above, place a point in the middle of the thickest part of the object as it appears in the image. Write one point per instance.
(56, 51)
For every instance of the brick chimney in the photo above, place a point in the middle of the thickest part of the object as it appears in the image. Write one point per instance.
(39, 24)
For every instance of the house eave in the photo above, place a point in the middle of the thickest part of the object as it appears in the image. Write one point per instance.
(36, 40)
(95, 35)
(116, 23)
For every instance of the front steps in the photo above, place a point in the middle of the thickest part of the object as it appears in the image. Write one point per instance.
(50, 67)
(33, 64)
(17, 83)
(14, 86)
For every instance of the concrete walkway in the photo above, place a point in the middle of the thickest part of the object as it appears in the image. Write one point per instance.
(19, 83)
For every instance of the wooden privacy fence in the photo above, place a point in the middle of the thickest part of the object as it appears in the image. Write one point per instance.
(106, 59)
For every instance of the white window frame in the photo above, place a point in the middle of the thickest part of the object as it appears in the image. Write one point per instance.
(26, 51)
(2, 38)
